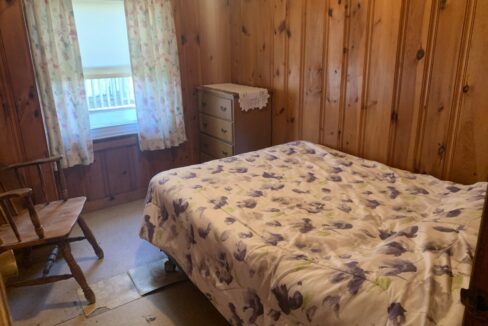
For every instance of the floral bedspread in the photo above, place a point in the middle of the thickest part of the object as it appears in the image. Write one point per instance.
(302, 234)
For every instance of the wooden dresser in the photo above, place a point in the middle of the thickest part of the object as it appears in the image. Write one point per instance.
(225, 129)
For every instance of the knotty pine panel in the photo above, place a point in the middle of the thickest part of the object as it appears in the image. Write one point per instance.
(296, 11)
(252, 41)
(376, 78)
(469, 155)
(118, 170)
(411, 65)
(21, 80)
(439, 91)
(335, 54)
(10, 144)
(355, 75)
(24, 136)
(279, 68)
(187, 32)
(93, 178)
(314, 69)
(214, 16)
(381, 78)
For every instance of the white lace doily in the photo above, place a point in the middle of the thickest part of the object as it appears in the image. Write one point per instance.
(250, 98)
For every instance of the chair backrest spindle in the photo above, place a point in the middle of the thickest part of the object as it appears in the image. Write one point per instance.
(6, 207)
(34, 217)
(62, 181)
(20, 178)
(43, 183)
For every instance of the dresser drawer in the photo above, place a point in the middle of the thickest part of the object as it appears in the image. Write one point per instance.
(221, 129)
(204, 157)
(216, 106)
(215, 147)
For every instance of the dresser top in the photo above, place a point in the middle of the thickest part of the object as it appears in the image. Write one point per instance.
(250, 97)
(235, 89)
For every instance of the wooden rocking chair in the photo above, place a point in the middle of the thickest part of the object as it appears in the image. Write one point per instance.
(49, 223)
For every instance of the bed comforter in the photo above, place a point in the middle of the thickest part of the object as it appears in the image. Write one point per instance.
(302, 234)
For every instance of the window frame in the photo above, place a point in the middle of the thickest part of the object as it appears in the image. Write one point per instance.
(115, 130)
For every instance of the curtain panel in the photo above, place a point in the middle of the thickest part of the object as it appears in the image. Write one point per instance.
(59, 74)
(156, 73)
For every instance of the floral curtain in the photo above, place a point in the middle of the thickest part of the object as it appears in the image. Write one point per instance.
(59, 72)
(156, 73)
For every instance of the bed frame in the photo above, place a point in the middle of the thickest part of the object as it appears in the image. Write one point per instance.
(476, 297)
(171, 265)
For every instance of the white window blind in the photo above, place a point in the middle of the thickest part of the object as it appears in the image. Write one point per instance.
(102, 34)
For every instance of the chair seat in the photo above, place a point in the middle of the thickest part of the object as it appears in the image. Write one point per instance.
(57, 219)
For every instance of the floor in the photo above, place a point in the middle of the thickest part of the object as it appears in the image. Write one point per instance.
(116, 230)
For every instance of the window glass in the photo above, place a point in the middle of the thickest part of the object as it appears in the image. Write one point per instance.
(102, 35)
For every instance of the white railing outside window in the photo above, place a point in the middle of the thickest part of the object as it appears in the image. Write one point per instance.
(110, 93)
(111, 104)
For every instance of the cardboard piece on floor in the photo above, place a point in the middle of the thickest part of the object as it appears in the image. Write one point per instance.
(110, 293)
(152, 276)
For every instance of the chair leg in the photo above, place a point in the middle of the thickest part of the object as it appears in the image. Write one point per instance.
(77, 272)
(90, 237)
(170, 265)
(26, 257)
(51, 260)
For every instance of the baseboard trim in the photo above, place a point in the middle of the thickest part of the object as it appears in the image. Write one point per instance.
(118, 199)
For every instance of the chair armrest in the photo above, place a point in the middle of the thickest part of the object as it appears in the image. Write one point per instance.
(17, 193)
(26, 195)
(35, 162)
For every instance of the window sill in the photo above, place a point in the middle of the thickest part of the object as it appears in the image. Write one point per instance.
(114, 131)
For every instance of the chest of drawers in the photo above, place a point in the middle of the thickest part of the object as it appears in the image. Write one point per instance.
(225, 129)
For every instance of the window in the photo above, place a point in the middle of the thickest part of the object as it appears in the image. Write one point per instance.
(102, 35)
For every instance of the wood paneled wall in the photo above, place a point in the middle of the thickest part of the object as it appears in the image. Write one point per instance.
(21, 119)
(22, 135)
(397, 81)
(120, 171)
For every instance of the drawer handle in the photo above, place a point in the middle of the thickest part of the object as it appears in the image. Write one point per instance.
(205, 125)
(224, 131)
(204, 103)
(223, 108)
(205, 145)
(225, 153)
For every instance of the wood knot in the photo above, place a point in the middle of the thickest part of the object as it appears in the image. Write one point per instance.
(244, 31)
(282, 26)
(394, 116)
(183, 39)
(420, 54)
(441, 150)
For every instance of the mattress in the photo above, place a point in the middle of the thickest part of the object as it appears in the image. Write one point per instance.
(303, 234)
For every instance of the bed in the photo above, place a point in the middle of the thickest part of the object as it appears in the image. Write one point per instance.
(303, 234)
